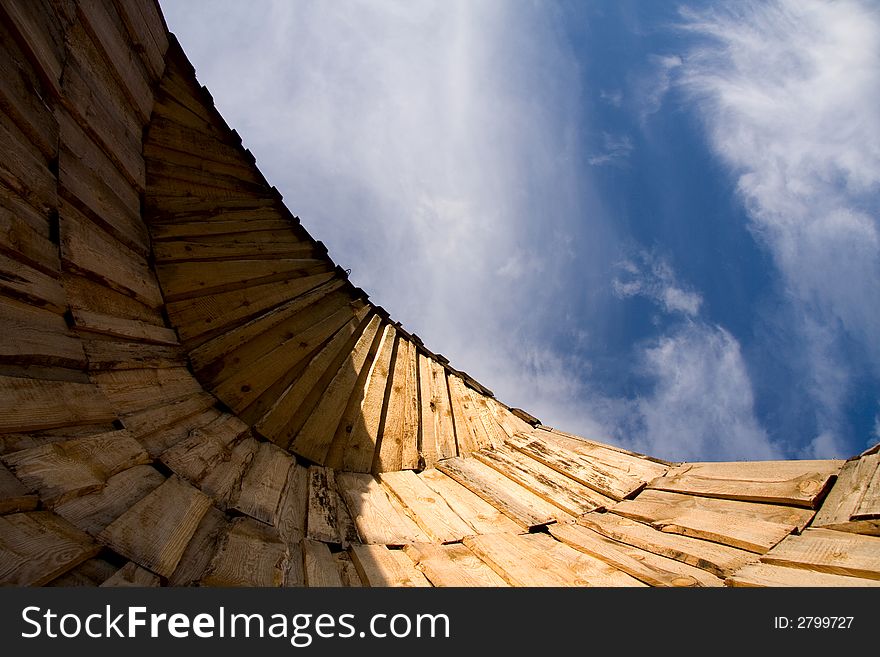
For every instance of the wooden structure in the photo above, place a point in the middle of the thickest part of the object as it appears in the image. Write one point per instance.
(192, 392)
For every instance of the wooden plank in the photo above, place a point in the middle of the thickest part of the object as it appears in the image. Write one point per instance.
(32, 404)
(124, 355)
(347, 571)
(33, 336)
(713, 557)
(204, 448)
(159, 152)
(108, 33)
(518, 562)
(132, 575)
(476, 512)
(293, 507)
(19, 281)
(543, 481)
(323, 504)
(43, 37)
(39, 546)
(795, 517)
(378, 520)
(320, 566)
(469, 430)
(263, 224)
(166, 414)
(132, 329)
(358, 433)
(314, 439)
(24, 234)
(134, 390)
(185, 280)
(156, 442)
(428, 509)
(146, 33)
(844, 497)
(93, 512)
(452, 565)
(246, 342)
(204, 317)
(223, 481)
(523, 507)
(90, 251)
(398, 447)
(628, 559)
(765, 574)
(15, 496)
(155, 531)
(828, 551)
(164, 207)
(85, 293)
(295, 574)
(24, 169)
(744, 532)
(279, 367)
(264, 482)
(72, 468)
(646, 467)
(583, 569)
(800, 483)
(293, 406)
(438, 431)
(200, 550)
(379, 566)
(604, 478)
(96, 570)
(869, 504)
(250, 554)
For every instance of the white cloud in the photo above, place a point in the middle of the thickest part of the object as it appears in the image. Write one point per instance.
(789, 93)
(653, 87)
(652, 277)
(615, 149)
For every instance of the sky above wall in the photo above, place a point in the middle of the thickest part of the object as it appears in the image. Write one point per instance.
(651, 224)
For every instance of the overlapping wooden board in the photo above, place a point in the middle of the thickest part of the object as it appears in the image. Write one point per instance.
(379, 566)
(250, 554)
(452, 565)
(14, 495)
(428, 509)
(829, 551)
(34, 404)
(764, 574)
(378, 519)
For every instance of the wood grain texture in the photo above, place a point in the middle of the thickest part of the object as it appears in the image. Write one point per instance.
(428, 509)
(765, 574)
(155, 531)
(14, 495)
(829, 551)
(399, 437)
(378, 519)
(32, 404)
(438, 429)
(320, 566)
(379, 566)
(264, 482)
(200, 550)
(34, 336)
(132, 575)
(452, 565)
(474, 510)
(250, 554)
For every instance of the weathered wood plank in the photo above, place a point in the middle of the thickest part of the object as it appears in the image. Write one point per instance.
(223, 481)
(33, 336)
(155, 531)
(602, 477)
(320, 566)
(200, 550)
(295, 574)
(43, 36)
(262, 223)
(264, 482)
(378, 520)
(39, 546)
(165, 414)
(19, 281)
(105, 354)
(32, 404)
(24, 234)
(286, 416)
(132, 575)
(765, 574)
(628, 559)
(428, 509)
(869, 504)
(146, 33)
(162, 439)
(358, 433)
(323, 504)
(158, 153)
(347, 570)
(518, 562)
(72, 468)
(543, 481)
(199, 319)
(88, 250)
(135, 390)
(718, 559)
(523, 507)
(829, 551)
(584, 569)
(469, 430)
(85, 293)
(24, 169)
(476, 512)
(250, 554)
(293, 507)
(796, 483)
(398, 447)
(93, 512)
(747, 533)
(132, 329)
(197, 454)
(452, 565)
(185, 280)
(379, 566)
(438, 430)
(843, 499)
(14, 495)
(314, 439)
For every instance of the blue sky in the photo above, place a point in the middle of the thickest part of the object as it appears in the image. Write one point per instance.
(653, 224)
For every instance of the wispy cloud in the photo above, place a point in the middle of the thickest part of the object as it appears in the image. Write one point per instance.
(651, 89)
(789, 93)
(650, 276)
(615, 150)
